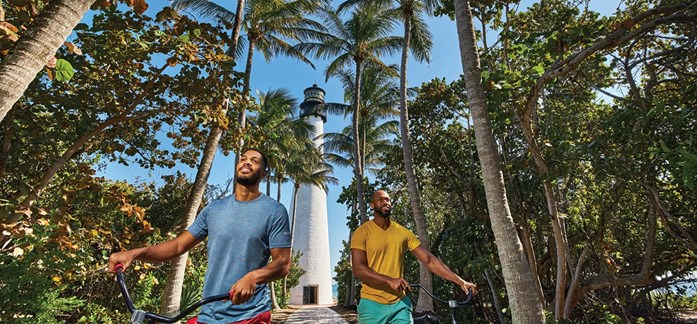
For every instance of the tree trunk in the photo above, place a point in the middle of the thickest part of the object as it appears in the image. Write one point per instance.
(292, 233)
(172, 295)
(351, 298)
(357, 159)
(494, 296)
(248, 68)
(274, 303)
(7, 134)
(171, 298)
(31, 52)
(425, 277)
(524, 304)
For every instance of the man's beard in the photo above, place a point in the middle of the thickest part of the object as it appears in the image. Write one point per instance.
(384, 214)
(251, 180)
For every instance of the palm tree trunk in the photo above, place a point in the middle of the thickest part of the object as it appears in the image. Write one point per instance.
(248, 68)
(242, 115)
(425, 276)
(524, 303)
(274, 301)
(7, 135)
(351, 298)
(292, 233)
(172, 296)
(358, 159)
(45, 35)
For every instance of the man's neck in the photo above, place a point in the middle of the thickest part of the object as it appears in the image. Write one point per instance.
(246, 193)
(383, 222)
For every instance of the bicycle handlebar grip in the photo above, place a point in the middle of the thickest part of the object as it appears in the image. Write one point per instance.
(470, 295)
(118, 267)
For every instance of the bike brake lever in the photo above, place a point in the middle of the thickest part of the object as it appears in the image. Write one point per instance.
(138, 316)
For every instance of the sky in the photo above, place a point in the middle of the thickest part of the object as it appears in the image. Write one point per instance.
(296, 76)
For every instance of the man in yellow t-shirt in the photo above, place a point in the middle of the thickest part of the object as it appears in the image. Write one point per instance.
(377, 254)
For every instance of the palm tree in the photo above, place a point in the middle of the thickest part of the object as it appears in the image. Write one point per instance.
(359, 41)
(524, 302)
(378, 109)
(266, 25)
(46, 34)
(175, 279)
(417, 37)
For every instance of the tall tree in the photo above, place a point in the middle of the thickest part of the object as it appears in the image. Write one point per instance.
(417, 37)
(172, 295)
(33, 50)
(524, 304)
(359, 41)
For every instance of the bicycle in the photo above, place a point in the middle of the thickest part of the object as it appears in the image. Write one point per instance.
(452, 305)
(139, 316)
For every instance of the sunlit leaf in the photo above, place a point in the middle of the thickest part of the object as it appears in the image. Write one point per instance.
(139, 6)
(64, 71)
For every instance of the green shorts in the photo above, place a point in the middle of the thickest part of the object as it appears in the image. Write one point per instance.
(370, 312)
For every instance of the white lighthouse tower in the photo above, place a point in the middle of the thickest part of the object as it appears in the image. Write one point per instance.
(311, 227)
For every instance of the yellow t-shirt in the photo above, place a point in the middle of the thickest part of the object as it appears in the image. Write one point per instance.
(385, 251)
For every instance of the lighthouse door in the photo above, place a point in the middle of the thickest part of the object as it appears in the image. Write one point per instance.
(310, 294)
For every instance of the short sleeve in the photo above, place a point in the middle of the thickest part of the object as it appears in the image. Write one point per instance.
(412, 241)
(359, 238)
(199, 229)
(279, 233)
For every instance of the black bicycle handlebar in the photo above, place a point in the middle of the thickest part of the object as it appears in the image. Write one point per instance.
(138, 316)
(451, 303)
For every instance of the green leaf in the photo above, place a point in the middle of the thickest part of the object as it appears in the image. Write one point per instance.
(538, 69)
(689, 175)
(81, 26)
(485, 74)
(64, 71)
(664, 146)
(184, 38)
(197, 32)
(691, 157)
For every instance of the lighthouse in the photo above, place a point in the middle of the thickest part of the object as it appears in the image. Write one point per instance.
(312, 233)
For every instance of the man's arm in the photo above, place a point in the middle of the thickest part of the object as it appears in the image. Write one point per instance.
(435, 265)
(156, 253)
(359, 265)
(278, 268)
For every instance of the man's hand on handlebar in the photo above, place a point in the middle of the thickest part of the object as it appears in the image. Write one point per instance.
(243, 290)
(399, 284)
(123, 258)
(465, 285)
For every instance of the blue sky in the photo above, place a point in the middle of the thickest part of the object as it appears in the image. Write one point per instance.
(296, 76)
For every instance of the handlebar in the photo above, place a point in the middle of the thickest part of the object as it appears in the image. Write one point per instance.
(451, 303)
(138, 316)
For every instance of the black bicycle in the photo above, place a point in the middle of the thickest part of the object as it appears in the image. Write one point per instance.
(139, 316)
(452, 305)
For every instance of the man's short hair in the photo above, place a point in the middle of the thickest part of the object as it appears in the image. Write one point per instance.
(264, 160)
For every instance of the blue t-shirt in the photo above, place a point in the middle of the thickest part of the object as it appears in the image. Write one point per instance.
(240, 236)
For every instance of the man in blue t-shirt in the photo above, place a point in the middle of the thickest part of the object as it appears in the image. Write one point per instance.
(243, 230)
